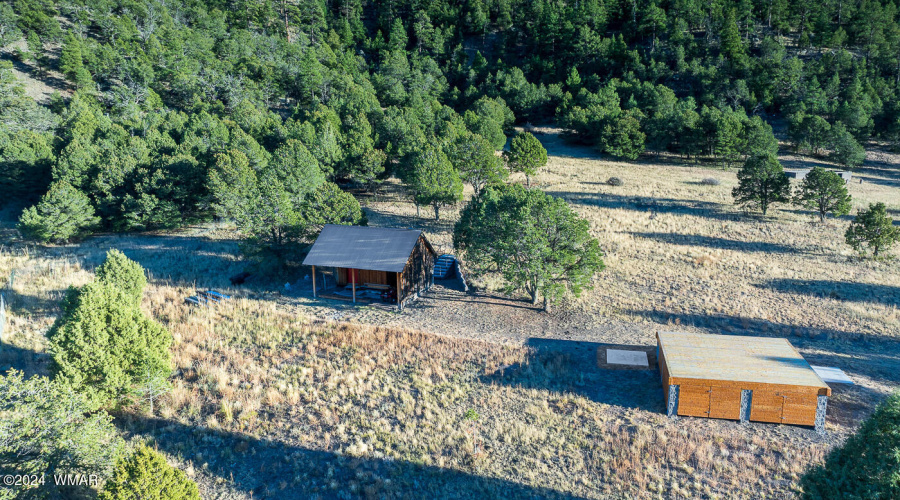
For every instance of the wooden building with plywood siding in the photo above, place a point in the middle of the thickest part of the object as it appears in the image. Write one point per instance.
(373, 258)
(742, 378)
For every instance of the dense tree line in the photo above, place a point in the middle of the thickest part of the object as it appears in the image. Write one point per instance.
(359, 90)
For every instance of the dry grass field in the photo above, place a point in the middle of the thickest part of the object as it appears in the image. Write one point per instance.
(273, 399)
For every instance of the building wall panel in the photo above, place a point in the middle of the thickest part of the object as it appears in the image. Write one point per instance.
(693, 401)
(767, 407)
(725, 403)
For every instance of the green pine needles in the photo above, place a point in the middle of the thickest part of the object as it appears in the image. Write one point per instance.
(867, 466)
(102, 343)
(145, 475)
(872, 229)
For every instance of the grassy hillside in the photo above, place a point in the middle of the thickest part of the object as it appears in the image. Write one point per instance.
(272, 398)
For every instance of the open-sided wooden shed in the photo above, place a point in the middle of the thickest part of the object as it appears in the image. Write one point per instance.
(373, 259)
(740, 378)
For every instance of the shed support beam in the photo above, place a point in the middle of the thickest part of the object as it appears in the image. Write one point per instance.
(353, 281)
(314, 280)
(746, 404)
(399, 294)
(672, 407)
(821, 406)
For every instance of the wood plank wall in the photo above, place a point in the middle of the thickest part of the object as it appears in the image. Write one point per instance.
(775, 403)
(417, 273)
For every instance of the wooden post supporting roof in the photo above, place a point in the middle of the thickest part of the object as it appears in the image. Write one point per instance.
(399, 292)
(314, 280)
(353, 281)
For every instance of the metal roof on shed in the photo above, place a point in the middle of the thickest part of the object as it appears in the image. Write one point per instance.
(362, 247)
(736, 358)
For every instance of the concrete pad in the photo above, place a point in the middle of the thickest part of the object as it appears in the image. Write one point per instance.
(631, 358)
(832, 375)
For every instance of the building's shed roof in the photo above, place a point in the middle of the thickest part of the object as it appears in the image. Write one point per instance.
(362, 247)
(735, 358)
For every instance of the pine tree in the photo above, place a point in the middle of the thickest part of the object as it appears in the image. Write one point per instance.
(146, 475)
(123, 273)
(434, 181)
(35, 48)
(71, 61)
(63, 214)
(102, 341)
(872, 228)
(622, 136)
(731, 45)
(526, 154)
(761, 183)
(844, 148)
(825, 192)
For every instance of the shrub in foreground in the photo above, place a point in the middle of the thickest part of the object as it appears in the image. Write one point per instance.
(867, 466)
(102, 344)
(47, 429)
(145, 475)
(123, 273)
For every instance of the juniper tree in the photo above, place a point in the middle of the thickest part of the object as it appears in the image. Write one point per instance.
(825, 192)
(872, 228)
(535, 240)
(475, 160)
(123, 273)
(761, 183)
(47, 428)
(64, 213)
(102, 341)
(280, 207)
(145, 474)
(865, 465)
(526, 154)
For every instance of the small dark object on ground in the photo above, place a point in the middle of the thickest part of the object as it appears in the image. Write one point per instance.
(614, 181)
(710, 181)
(239, 279)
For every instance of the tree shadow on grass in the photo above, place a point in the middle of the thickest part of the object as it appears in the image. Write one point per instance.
(29, 362)
(720, 243)
(448, 290)
(52, 80)
(569, 366)
(264, 468)
(838, 290)
(706, 209)
(24, 304)
(179, 259)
